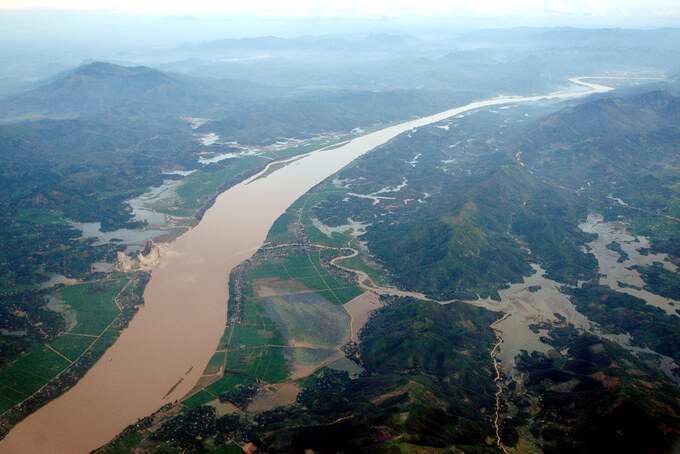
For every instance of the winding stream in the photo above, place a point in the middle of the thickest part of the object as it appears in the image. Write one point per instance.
(161, 355)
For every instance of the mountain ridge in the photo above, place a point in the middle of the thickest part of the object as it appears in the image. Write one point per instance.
(103, 87)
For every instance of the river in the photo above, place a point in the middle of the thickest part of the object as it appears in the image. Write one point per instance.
(162, 353)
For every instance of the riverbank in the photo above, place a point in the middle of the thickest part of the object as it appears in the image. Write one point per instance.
(160, 357)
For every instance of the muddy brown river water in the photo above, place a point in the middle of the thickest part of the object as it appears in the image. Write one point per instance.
(161, 355)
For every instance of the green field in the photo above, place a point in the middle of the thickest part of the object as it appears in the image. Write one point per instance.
(26, 375)
(95, 309)
(302, 272)
(306, 309)
(305, 357)
(200, 398)
(94, 305)
(198, 185)
(282, 229)
(347, 294)
(264, 363)
(215, 363)
(255, 335)
(72, 346)
(308, 318)
(305, 269)
(227, 383)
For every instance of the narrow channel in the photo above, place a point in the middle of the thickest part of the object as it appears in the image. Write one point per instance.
(161, 355)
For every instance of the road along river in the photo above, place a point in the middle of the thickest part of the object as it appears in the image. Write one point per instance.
(162, 353)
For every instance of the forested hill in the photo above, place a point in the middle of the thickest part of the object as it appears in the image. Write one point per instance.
(100, 87)
(626, 148)
(607, 118)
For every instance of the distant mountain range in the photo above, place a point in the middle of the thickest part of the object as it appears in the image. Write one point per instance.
(102, 87)
(563, 37)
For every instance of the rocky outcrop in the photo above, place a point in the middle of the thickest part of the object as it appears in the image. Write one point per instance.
(144, 261)
(124, 262)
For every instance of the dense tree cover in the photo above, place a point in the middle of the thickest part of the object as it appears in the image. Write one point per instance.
(623, 313)
(661, 281)
(465, 231)
(595, 397)
(428, 382)
(453, 261)
(626, 148)
(87, 168)
(240, 396)
(189, 428)
(549, 226)
(305, 115)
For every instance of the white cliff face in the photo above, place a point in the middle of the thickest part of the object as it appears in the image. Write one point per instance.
(150, 261)
(142, 262)
(124, 263)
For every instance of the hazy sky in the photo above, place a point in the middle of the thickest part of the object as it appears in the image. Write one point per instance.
(38, 30)
(39, 37)
(604, 9)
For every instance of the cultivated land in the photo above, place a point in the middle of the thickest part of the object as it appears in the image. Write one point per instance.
(95, 310)
(290, 323)
(574, 348)
(457, 210)
(194, 193)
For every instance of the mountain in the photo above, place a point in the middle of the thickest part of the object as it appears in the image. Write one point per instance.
(641, 114)
(101, 87)
(573, 37)
(619, 144)
(317, 111)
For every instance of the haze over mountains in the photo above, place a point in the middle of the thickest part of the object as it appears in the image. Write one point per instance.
(219, 77)
(545, 348)
(450, 60)
(101, 87)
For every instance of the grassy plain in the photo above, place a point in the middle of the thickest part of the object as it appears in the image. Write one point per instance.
(292, 322)
(200, 398)
(229, 382)
(200, 184)
(94, 305)
(95, 308)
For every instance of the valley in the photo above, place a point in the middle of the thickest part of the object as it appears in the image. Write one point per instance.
(194, 262)
(446, 241)
(536, 308)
